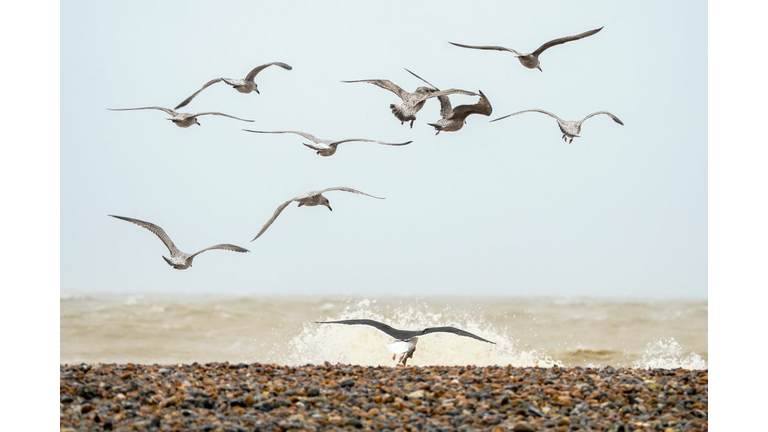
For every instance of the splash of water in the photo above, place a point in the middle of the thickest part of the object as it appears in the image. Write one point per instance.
(668, 354)
(365, 345)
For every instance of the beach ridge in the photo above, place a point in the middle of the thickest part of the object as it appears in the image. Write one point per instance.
(240, 397)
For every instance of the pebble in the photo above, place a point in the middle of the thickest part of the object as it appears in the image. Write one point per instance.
(247, 397)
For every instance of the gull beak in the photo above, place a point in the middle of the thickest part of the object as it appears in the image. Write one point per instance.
(539, 68)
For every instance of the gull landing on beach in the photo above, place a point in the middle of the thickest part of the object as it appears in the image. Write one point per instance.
(570, 129)
(245, 85)
(178, 260)
(531, 60)
(412, 102)
(312, 198)
(183, 120)
(325, 147)
(405, 340)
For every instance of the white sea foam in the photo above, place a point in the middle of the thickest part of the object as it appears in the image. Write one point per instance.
(365, 345)
(71, 296)
(134, 300)
(668, 354)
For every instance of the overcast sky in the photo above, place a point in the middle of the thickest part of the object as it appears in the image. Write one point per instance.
(503, 208)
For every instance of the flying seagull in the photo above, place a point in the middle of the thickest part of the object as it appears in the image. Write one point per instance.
(312, 198)
(454, 119)
(178, 260)
(325, 147)
(245, 85)
(405, 340)
(181, 119)
(531, 61)
(412, 102)
(570, 129)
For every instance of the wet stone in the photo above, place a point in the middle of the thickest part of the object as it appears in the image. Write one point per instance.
(355, 422)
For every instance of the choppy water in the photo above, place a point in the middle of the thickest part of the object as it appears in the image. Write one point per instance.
(528, 331)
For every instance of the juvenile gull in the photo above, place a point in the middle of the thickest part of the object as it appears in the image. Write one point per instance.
(245, 85)
(178, 260)
(412, 102)
(325, 147)
(531, 61)
(570, 129)
(405, 340)
(181, 119)
(312, 198)
(454, 119)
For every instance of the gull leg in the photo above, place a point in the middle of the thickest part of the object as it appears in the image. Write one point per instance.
(407, 355)
(399, 361)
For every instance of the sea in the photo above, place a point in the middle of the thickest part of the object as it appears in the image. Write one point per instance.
(568, 332)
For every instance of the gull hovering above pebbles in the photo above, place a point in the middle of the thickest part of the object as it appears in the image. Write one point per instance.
(531, 61)
(405, 340)
(312, 198)
(570, 129)
(245, 85)
(183, 120)
(325, 147)
(178, 260)
(412, 102)
(454, 119)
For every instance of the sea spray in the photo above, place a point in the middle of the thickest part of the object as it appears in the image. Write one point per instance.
(365, 345)
(668, 354)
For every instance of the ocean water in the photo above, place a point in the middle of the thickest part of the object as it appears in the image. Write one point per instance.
(167, 329)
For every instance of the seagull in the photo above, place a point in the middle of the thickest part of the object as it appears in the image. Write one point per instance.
(531, 61)
(178, 260)
(570, 129)
(312, 198)
(183, 120)
(245, 85)
(454, 119)
(325, 147)
(412, 102)
(405, 340)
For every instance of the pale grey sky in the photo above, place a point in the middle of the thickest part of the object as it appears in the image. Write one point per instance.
(503, 208)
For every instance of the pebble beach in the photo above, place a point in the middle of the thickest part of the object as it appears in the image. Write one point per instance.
(269, 397)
